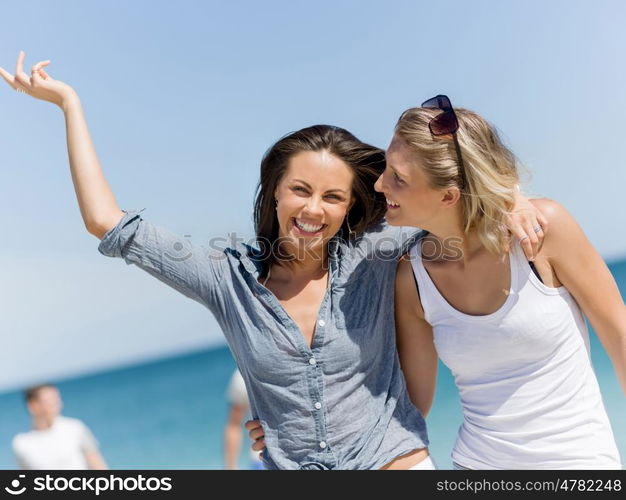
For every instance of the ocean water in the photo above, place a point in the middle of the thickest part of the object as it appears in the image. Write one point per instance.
(170, 414)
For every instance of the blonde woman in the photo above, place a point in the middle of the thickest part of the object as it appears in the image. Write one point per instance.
(511, 331)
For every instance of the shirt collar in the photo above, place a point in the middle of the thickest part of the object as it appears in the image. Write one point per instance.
(250, 257)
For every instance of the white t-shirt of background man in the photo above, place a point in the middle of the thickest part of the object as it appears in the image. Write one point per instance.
(62, 446)
(238, 396)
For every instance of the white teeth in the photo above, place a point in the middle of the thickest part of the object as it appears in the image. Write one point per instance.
(309, 228)
(392, 203)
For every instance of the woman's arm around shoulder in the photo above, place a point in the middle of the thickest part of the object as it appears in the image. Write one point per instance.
(414, 339)
(583, 272)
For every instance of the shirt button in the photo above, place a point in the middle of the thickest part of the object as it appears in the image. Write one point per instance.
(323, 445)
(321, 322)
(318, 405)
(312, 361)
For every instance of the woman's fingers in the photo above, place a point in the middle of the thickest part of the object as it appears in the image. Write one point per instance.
(38, 72)
(8, 77)
(19, 67)
(524, 239)
(543, 222)
(39, 84)
(252, 424)
(38, 66)
(529, 227)
(540, 232)
(21, 77)
(258, 445)
(256, 433)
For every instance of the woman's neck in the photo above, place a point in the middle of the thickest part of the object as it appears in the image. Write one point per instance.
(452, 241)
(306, 262)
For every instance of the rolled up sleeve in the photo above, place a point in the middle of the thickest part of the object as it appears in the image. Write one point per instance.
(191, 269)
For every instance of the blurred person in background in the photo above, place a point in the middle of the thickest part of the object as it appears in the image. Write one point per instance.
(55, 441)
(239, 409)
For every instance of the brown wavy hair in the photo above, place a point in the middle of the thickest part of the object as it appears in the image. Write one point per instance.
(367, 163)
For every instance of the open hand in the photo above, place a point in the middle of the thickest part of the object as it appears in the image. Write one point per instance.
(39, 84)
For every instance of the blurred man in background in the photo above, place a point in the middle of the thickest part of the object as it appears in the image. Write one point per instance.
(239, 408)
(55, 441)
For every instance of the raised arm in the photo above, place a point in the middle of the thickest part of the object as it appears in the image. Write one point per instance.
(190, 269)
(97, 204)
(414, 340)
(584, 274)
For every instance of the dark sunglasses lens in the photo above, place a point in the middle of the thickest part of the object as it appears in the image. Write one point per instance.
(444, 123)
(440, 101)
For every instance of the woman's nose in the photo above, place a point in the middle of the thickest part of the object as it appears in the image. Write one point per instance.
(313, 205)
(378, 185)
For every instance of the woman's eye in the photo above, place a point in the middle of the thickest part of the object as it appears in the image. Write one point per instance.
(397, 178)
(334, 197)
(299, 189)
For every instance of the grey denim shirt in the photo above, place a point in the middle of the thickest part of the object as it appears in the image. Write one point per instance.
(341, 403)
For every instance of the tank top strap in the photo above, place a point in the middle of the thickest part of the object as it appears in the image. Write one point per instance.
(427, 292)
(519, 266)
(437, 308)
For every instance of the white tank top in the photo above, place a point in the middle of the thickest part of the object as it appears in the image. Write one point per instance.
(529, 394)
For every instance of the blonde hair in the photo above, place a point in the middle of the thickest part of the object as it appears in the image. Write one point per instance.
(487, 180)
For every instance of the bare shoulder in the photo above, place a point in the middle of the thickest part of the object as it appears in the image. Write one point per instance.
(407, 297)
(551, 209)
(562, 226)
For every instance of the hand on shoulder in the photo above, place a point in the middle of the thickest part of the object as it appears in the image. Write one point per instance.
(564, 230)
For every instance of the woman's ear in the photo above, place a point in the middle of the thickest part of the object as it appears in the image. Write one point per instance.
(451, 196)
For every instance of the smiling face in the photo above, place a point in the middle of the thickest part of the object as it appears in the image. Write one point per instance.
(411, 201)
(314, 196)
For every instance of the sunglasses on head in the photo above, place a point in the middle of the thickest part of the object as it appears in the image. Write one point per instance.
(445, 123)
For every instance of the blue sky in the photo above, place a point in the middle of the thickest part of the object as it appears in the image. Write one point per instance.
(183, 98)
